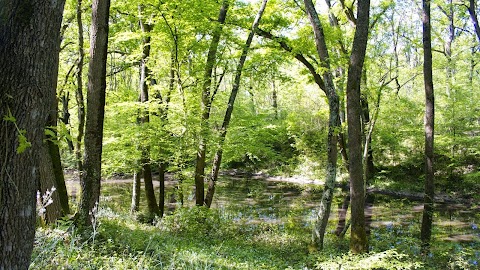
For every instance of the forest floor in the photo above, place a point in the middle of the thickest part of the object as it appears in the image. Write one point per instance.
(257, 222)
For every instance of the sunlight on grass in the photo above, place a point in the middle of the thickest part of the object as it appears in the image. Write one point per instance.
(237, 235)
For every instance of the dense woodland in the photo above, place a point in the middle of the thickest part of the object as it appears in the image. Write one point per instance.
(234, 134)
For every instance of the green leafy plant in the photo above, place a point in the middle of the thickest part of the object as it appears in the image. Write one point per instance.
(23, 142)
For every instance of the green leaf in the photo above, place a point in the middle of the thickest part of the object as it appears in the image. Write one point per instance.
(49, 133)
(9, 117)
(23, 143)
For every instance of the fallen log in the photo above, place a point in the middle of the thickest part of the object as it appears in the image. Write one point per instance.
(419, 197)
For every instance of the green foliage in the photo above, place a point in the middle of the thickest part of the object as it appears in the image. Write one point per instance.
(389, 259)
(23, 142)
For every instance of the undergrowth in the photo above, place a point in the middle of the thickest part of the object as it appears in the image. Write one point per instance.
(228, 238)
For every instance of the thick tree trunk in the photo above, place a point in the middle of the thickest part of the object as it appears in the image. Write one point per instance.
(206, 103)
(427, 218)
(79, 92)
(29, 46)
(358, 238)
(50, 210)
(231, 102)
(97, 68)
(149, 190)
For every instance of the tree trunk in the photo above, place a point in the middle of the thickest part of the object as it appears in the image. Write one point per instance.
(134, 206)
(54, 155)
(145, 116)
(427, 218)
(472, 7)
(368, 166)
(161, 196)
(358, 238)
(231, 102)
(29, 46)
(91, 175)
(79, 92)
(206, 103)
(275, 100)
(333, 124)
(50, 210)
(66, 119)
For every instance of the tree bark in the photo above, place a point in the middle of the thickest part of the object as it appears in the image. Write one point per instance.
(358, 238)
(145, 116)
(56, 160)
(29, 46)
(135, 205)
(231, 102)
(79, 92)
(97, 68)
(427, 218)
(472, 7)
(333, 124)
(161, 198)
(206, 104)
(50, 211)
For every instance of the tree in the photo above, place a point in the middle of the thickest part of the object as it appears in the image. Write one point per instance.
(52, 181)
(29, 47)
(206, 103)
(144, 115)
(427, 217)
(79, 92)
(333, 126)
(358, 239)
(231, 102)
(472, 7)
(91, 175)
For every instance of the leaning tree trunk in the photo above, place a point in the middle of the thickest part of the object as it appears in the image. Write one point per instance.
(333, 124)
(427, 218)
(55, 159)
(97, 69)
(206, 103)
(358, 238)
(472, 7)
(29, 46)
(231, 102)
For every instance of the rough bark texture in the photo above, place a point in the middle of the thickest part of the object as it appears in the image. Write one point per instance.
(206, 103)
(79, 92)
(51, 212)
(358, 238)
(333, 124)
(29, 46)
(91, 175)
(427, 218)
(231, 102)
